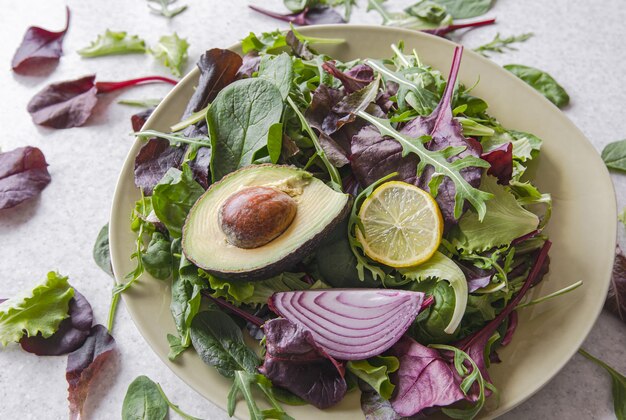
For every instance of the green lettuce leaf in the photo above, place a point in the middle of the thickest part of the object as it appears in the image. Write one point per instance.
(443, 268)
(375, 371)
(112, 43)
(38, 311)
(529, 196)
(172, 51)
(505, 219)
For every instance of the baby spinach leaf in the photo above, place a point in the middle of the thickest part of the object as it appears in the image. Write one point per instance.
(278, 69)
(463, 9)
(172, 51)
(101, 253)
(504, 220)
(619, 385)
(23, 175)
(112, 43)
(174, 196)
(443, 268)
(542, 82)
(440, 314)
(275, 142)
(239, 121)
(614, 155)
(144, 401)
(157, 259)
(40, 310)
(375, 372)
(219, 342)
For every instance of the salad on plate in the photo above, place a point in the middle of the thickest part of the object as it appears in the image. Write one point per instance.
(330, 227)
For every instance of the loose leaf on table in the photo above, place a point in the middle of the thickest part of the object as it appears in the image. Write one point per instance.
(84, 364)
(71, 334)
(542, 82)
(219, 343)
(154, 159)
(144, 401)
(101, 252)
(463, 9)
(39, 310)
(23, 175)
(112, 43)
(163, 8)
(306, 16)
(622, 216)
(375, 372)
(501, 45)
(504, 221)
(294, 361)
(614, 155)
(39, 46)
(619, 385)
(172, 51)
(239, 120)
(616, 298)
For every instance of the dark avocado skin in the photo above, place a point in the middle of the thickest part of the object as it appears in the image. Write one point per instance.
(336, 263)
(275, 268)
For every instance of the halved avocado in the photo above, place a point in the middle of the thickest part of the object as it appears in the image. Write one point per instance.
(208, 241)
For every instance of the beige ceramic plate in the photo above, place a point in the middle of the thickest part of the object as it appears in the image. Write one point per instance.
(582, 226)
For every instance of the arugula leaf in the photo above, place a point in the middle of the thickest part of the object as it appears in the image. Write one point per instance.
(614, 155)
(542, 82)
(162, 7)
(243, 384)
(101, 253)
(278, 69)
(463, 9)
(500, 45)
(239, 120)
(157, 259)
(40, 310)
(375, 372)
(619, 385)
(172, 51)
(112, 43)
(174, 196)
(145, 399)
(219, 343)
(504, 221)
(443, 268)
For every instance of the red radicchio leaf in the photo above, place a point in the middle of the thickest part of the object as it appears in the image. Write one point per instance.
(501, 161)
(39, 46)
(308, 16)
(353, 79)
(72, 332)
(425, 379)
(153, 160)
(294, 361)
(23, 175)
(616, 298)
(139, 119)
(84, 364)
(70, 103)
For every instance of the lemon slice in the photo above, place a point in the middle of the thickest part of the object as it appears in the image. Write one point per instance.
(401, 225)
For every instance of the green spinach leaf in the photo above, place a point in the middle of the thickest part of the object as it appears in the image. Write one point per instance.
(431, 327)
(219, 342)
(542, 82)
(112, 43)
(463, 9)
(174, 196)
(619, 385)
(144, 401)
(275, 142)
(101, 252)
(614, 155)
(375, 372)
(239, 120)
(172, 51)
(278, 69)
(157, 259)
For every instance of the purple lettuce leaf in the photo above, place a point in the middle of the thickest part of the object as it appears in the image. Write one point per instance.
(501, 161)
(39, 47)
(374, 406)
(139, 119)
(353, 79)
(200, 166)
(510, 328)
(616, 298)
(425, 379)
(295, 362)
(23, 175)
(84, 364)
(320, 113)
(153, 160)
(71, 334)
(250, 65)
(477, 278)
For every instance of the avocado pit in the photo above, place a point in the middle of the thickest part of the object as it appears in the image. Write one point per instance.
(254, 216)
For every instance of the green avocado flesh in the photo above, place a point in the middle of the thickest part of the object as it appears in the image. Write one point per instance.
(319, 210)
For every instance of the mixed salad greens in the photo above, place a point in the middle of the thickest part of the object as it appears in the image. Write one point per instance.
(355, 126)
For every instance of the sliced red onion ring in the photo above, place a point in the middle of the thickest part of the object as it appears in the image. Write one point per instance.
(350, 324)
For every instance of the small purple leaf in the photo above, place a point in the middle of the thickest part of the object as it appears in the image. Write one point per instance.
(616, 298)
(23, 175)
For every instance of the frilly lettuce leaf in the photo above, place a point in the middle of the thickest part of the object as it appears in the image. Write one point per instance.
(114, 43)
(375, 371)
(172, 51)
(532, 199)
(443, 268)
(38, 311)
(505, 219)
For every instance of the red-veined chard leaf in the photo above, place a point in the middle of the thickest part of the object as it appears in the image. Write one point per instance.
(139, 119)
(501, 161)
(23, 175)
(84, 365)
(353, 79)
(616, 298)
(39, 46)
(306, 16)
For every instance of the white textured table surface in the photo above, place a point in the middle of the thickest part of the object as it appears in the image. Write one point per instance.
(580, 42)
